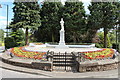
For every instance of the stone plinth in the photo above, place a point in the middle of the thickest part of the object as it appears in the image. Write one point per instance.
(62, 37)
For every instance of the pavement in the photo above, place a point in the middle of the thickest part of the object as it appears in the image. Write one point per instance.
(2, 48)
(11, 71)
(14, 74)
(57, 50)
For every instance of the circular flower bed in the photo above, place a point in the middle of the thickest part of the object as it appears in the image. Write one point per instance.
(100, 54)
(20, 52)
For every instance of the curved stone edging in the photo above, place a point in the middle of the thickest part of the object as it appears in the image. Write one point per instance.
(48, 65)
(69, 50)
(33, 65)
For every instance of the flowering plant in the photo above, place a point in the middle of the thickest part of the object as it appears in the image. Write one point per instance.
(38, 43)
(20, 52)
(100, 54)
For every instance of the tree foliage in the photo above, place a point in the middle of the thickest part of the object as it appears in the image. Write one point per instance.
(1, 35)
(26, 15)
(79, 27)
(102, 15)
(74, 17)
(10, 42)
(18, 37)
(50, 17)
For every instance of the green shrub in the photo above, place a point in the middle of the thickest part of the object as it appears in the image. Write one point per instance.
(18, 36)
(100, 44)
(22, 43)
(10, 42)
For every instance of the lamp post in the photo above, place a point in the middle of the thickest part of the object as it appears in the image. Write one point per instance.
(117, 26)
(116, 36)
(7, 17)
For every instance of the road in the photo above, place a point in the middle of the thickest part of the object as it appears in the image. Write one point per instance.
(4, 73)
(14, 74)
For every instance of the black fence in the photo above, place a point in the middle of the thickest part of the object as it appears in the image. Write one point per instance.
(64, 61)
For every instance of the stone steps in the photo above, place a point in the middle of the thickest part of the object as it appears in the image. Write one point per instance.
(62, 68)
(61, 58)
(62, 61)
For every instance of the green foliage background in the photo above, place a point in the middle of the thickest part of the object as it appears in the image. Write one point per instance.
(43, 24)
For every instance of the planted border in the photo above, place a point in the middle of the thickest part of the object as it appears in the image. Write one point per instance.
(99, 54)
(20, 52)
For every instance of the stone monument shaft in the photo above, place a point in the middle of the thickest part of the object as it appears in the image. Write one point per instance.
(62, 36)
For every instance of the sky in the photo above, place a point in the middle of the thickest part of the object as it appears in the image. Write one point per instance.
(3, 11)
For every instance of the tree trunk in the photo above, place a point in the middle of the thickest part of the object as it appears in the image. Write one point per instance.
(26, 36)
(105, 37)
(91, 34)
(53, 39)
(74, 37)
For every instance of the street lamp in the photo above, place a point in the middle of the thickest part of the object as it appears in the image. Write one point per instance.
(7, 17)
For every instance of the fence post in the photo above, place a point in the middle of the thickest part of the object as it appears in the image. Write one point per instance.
(59, 57)
(52, 53)
(78, 57)
(51, 56)
(73, 56)
(65, 61)
(47, 55)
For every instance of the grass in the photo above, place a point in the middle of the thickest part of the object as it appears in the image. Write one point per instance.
(2, 43)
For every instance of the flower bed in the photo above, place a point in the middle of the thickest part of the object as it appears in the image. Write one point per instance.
(38, 43)
(100, 54)
(20, 52)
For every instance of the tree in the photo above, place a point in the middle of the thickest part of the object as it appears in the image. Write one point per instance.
(94, 21)
(74, 17)
(1, 35)
(112, 36)
(50, 25)
(26, 15)
(18, 37)
(100, 43)
(117, 3)
(108, 20)
(103, 16)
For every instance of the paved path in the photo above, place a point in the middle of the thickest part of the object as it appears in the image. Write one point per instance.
(14, 74)
(2, 48)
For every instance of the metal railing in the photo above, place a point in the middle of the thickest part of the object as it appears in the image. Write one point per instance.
(66, 61)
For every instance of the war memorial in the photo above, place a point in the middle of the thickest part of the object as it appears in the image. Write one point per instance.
(62, 57)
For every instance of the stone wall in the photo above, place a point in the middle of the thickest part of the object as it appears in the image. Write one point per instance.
(97, 67)
(47, 66)
(35, 65)
(81, 67)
